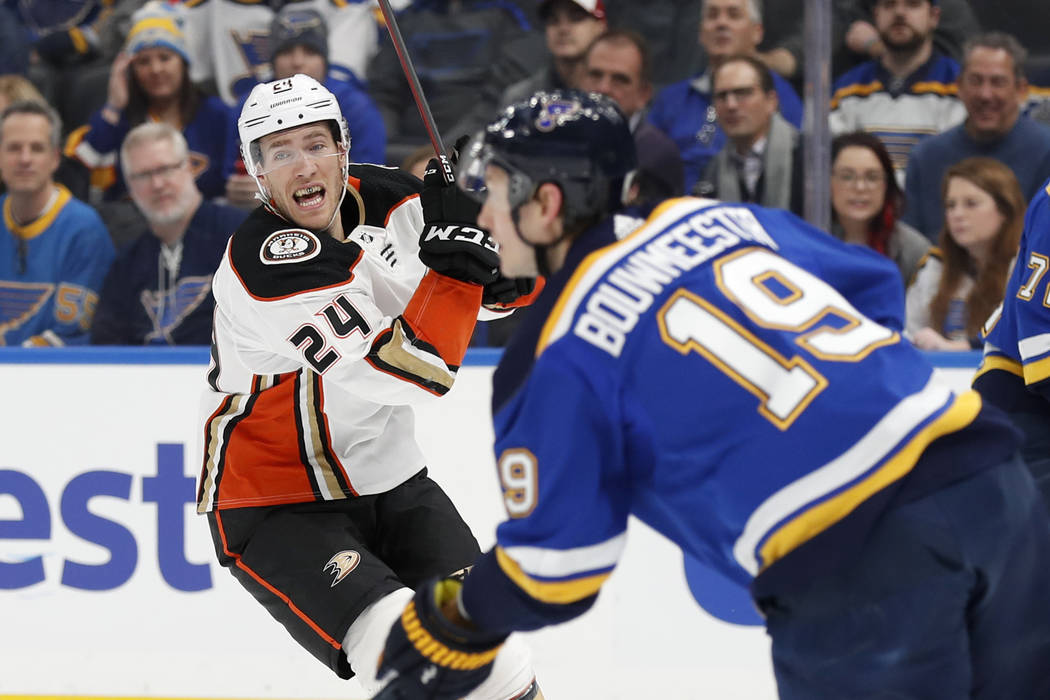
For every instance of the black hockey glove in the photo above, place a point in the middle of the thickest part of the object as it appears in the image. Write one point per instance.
(452, 243)
(428, 656)
(510, 292)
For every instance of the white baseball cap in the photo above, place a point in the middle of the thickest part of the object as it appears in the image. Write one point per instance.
(595, 8)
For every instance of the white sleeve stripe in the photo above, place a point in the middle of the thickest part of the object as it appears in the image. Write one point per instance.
(865, 454)
(557, 563)
(92, 158)
(1034, 346)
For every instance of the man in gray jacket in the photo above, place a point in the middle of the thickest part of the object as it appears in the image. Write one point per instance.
(760, 162)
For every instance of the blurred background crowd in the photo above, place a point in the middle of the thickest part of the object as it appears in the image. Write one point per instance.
(122, 180)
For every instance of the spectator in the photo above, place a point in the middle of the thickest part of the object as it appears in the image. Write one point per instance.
(229, 41)
(618, 65)
(61, 34)
(150, 80)
(953, 296)
(992, 86)
(860, 40)
(569, 26)
(866, 202)
(299, 40)
(80, 90)
(54, 250)
(909, 91)
(684, 110)
(15, 88)
(158, 291)
(761, 162)
(459, 50)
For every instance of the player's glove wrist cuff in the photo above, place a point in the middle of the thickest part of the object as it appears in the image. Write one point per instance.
(442, 641)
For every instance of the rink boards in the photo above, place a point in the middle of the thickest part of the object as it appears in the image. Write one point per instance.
(109, 586)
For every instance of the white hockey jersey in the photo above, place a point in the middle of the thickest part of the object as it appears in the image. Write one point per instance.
(320, 348)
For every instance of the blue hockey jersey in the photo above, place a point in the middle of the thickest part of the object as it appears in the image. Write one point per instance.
(1015, 370)
(734, 378)
(1017, 336)
(50, 273)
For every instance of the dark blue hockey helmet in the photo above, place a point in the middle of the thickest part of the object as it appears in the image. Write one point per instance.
(579, 140)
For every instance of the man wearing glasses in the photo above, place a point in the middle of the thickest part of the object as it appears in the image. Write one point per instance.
(760, 162)
(158, 291)
(344, 300)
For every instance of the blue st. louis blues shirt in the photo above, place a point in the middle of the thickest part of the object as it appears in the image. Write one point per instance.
(143, 304)
(51, 270)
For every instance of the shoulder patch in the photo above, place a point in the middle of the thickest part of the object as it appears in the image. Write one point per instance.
(289, 245)
(264, 242)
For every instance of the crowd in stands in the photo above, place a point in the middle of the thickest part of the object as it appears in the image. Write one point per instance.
(121, 175)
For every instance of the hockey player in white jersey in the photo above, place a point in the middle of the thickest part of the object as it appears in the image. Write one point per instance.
(738, 380)
(343, 300)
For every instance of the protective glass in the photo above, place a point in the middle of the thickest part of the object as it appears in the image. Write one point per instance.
(283, 157)
(475, 159)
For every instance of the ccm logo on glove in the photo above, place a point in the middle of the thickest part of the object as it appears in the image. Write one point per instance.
(455, 232)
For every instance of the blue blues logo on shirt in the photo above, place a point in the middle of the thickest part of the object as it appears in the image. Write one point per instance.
(167, 309)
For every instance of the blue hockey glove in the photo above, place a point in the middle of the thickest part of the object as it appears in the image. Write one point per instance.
(452, 243)
(430, 657)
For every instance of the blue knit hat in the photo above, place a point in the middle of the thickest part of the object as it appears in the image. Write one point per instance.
(293, 27)
(158, 24)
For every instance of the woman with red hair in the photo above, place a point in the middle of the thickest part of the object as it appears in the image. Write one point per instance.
(961, 283)
(866, 202)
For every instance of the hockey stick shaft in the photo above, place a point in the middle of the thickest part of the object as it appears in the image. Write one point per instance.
(417, 90)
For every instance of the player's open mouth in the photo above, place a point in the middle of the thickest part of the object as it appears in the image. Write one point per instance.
(309, 197)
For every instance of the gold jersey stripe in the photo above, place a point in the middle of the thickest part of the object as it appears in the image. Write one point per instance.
(812, 522)
(1035, 372)
(991, 363)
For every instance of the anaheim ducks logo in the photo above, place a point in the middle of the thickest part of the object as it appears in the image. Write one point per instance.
(289, 245)
(342, 564)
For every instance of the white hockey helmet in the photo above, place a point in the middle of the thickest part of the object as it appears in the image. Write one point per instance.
(286, 104)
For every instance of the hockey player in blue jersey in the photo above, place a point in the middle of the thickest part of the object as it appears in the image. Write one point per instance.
(737, 380)
(1015, 371)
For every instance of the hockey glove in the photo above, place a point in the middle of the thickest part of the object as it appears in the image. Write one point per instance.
(452, 243)
(430, 657)
(511, 292)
